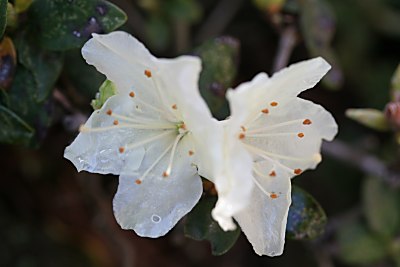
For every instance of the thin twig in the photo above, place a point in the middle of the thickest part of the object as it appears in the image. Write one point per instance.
(182, 36)
(363, 161)
(218, 19)
(287, 42)
(135, 19)
(106, 225)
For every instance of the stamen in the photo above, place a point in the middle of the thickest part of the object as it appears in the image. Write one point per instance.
(274, 126)
(265, 111)
(109, 112)
(138, 181)
(132, 94)
(151, 139)
(307, 122)
(115, 122)
(174, 106)
(147, 73)
(260, 152)
(242, 136)
(274, 104)
(297, 171)
(84, 129)
(191, 152)
(143, 121)
(121, 149)
(169, 168)
(155, 163)
(272, 174)
(243, 128)
(273, 196)
(274, 134)
(260, 186)
(300, 135)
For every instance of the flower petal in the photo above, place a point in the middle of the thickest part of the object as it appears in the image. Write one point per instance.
(154, 206)
(171, 85)
(264, 220)
(97, 147)
(233, 183)
(291, 135)
(283, 86)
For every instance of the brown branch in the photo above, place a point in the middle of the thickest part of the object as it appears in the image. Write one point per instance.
(367, 163)
(107, 225)
(218, 19)
(287, 42)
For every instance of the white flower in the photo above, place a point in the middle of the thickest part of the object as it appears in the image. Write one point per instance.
(271, 136)
(150, 133)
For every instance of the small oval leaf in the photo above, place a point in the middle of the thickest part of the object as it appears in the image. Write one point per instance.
(200, 226)
(306, 219)
(67, 24)
(8, 62)
(220, 62)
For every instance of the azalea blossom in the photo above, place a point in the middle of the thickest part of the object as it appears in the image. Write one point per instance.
(150, 133)
(271, 136)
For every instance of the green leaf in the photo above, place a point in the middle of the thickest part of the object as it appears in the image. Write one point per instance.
(3, 16)
(220, 65)
(85, 78)
(21, 101)
(13, 129)
(369, 117)
(200, 226)
(12, 16)
(306, 218)
(67, 24)
(107, 90)
(381, 207)
(318, 28)
(22, 5)
(186, 10)
(45, 66)
(8, 62)
(359, 246)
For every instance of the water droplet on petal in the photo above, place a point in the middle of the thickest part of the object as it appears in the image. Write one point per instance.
(155, 218)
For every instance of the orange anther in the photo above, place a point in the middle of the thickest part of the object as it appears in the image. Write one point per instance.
(174, 106)
(307, 122)
(115, 122)
(121, 149)
(147, 73)
(242, 135)
(109, 112)
(265, 111)
(165, 174)
(132, 94)
(274, 104)
(272, 174)
(301, 135)
(297, 171)
(243, 128)
(191, 153)
(273, 196)
(138, 181)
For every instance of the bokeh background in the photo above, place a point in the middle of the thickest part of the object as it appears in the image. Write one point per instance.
(50, 215)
